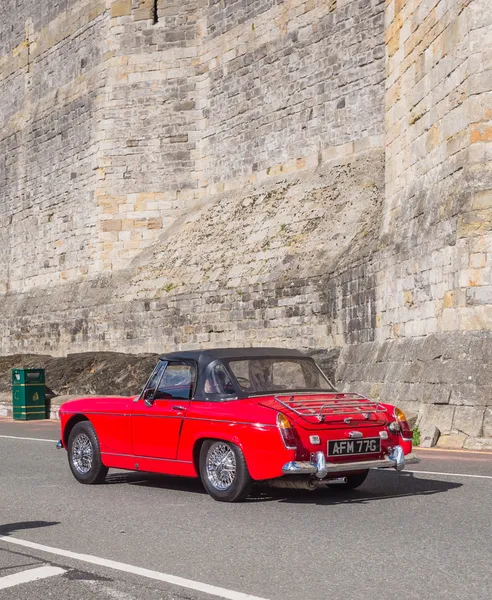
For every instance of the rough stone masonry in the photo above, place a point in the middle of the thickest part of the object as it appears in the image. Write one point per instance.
(305, 173)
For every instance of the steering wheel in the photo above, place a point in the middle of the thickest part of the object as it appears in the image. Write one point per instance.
(244, 382)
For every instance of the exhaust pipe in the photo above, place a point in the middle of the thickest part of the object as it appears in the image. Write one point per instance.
(334, 481)
(304, 483)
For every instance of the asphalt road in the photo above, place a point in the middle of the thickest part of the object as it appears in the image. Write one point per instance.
(409, 535)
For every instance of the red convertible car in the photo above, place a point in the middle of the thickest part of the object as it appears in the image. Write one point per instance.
(234, 417)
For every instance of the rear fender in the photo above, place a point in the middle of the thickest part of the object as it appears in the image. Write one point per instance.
(261, 445)
(405, 442)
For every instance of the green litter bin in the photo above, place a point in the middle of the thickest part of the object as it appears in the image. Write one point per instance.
(28, 397)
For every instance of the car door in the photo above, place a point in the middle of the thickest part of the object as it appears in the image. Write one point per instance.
(158, 413)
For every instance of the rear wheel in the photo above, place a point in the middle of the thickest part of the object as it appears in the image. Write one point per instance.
(224, 472)
(84, 456)
(353, 481)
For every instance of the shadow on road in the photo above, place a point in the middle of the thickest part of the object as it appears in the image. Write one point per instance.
(379, 486)
(9, 528)
(155, 480)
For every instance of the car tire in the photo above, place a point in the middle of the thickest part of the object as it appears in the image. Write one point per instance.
(353, 481)
(224, 472)
(84, 455)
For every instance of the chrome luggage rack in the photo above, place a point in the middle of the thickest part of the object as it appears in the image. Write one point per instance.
(340, 405)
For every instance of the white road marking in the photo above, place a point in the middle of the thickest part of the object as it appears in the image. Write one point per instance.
(14, 437)
(118, 566)
(449, 474)
(28, 576)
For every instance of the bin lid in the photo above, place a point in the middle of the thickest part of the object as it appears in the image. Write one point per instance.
(28, 376)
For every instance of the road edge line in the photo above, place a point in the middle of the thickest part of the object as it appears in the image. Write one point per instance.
(449, 474)
(29, 575)
(15, 437)
(142, 572)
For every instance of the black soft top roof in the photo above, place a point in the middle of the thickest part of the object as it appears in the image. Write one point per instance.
(205, 357)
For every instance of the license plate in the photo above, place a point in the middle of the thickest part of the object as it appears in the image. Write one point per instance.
(363, 446)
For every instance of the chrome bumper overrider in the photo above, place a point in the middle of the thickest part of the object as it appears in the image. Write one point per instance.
(321, 468)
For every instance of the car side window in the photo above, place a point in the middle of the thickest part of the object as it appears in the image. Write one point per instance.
(176, 382)
(219, 382)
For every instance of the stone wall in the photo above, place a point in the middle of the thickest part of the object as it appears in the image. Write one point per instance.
(304, 173)
(218, 127)
(298, 79)
(147, 127)
(51, 78)
(434, 297)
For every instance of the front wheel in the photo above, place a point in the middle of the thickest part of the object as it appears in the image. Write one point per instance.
(224, 472)
(353, 481)
(84, 456)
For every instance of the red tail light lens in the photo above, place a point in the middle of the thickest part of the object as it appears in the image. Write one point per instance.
(287, 432)
(406, 432)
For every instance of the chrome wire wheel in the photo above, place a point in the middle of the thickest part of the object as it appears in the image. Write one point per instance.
(221, 466)
(82, 453)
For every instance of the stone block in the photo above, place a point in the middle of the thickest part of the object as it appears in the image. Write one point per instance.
(453, 442)
(429, 436)
(469, 420)
(111, 225)
(472, 393)
(487, 423)
(436, 393)
(440, 416)
(478, 443)
(154, 224)
(143, 14)
(481, 294)
(482, 200)
(121, 8)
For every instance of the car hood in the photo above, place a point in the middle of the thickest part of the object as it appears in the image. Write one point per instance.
(97, 404)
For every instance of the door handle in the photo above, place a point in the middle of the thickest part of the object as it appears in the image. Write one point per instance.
(179, 408)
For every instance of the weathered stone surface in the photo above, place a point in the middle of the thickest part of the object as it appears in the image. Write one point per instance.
(453, 442)
(487, 423)
(411, 419)
(120, 8)
(437, 415)
(232, 175)
(91, 373)
(462, 378)
(478, 443)
(429, 434)
(469, 420)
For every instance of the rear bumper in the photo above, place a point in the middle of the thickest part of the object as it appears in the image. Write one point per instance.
(319, 467)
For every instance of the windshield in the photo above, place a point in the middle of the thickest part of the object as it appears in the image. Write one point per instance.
(279, 374)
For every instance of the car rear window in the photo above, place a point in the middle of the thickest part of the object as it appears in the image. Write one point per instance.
(277, 375)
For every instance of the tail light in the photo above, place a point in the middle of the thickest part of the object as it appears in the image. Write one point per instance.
(287, 432)
(406, 432)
